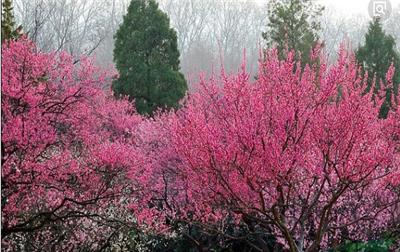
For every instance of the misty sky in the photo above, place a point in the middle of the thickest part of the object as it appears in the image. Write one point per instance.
(348, 7)
(353, 7)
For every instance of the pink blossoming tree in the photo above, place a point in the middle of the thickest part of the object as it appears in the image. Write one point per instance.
(67, 147)
(299, 153)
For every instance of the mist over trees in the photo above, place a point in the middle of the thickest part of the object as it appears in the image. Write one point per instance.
(209, 32)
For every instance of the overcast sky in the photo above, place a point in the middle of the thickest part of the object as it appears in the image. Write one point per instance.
(347, 7)
(353, 7)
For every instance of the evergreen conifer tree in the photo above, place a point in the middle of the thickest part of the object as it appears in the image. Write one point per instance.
(147, 58)
(376, 56)
(293, 25)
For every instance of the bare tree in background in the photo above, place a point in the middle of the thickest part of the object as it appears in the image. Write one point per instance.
(70, 25)
(237, 26)
(332, 32)
(215, 32)
(338, 29)
(111, 19)
(190, 19)
(392, 26)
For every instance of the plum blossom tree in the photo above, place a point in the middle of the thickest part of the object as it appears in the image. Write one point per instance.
(66, 148)
(301, 155)
(298, 154)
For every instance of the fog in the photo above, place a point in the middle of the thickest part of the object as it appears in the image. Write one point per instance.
(210, 33)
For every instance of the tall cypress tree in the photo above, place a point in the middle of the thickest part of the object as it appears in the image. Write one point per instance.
(293, 24)
(376, 56)
(147, 58)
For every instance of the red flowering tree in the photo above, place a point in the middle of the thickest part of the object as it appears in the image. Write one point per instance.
(299, 153)
(66, 149)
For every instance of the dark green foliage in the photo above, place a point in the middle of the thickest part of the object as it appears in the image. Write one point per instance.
(8, 30)
(191, 238)
(147, 58)
(7, 20)
(370, 246)
(293, 24)
(376, 56)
